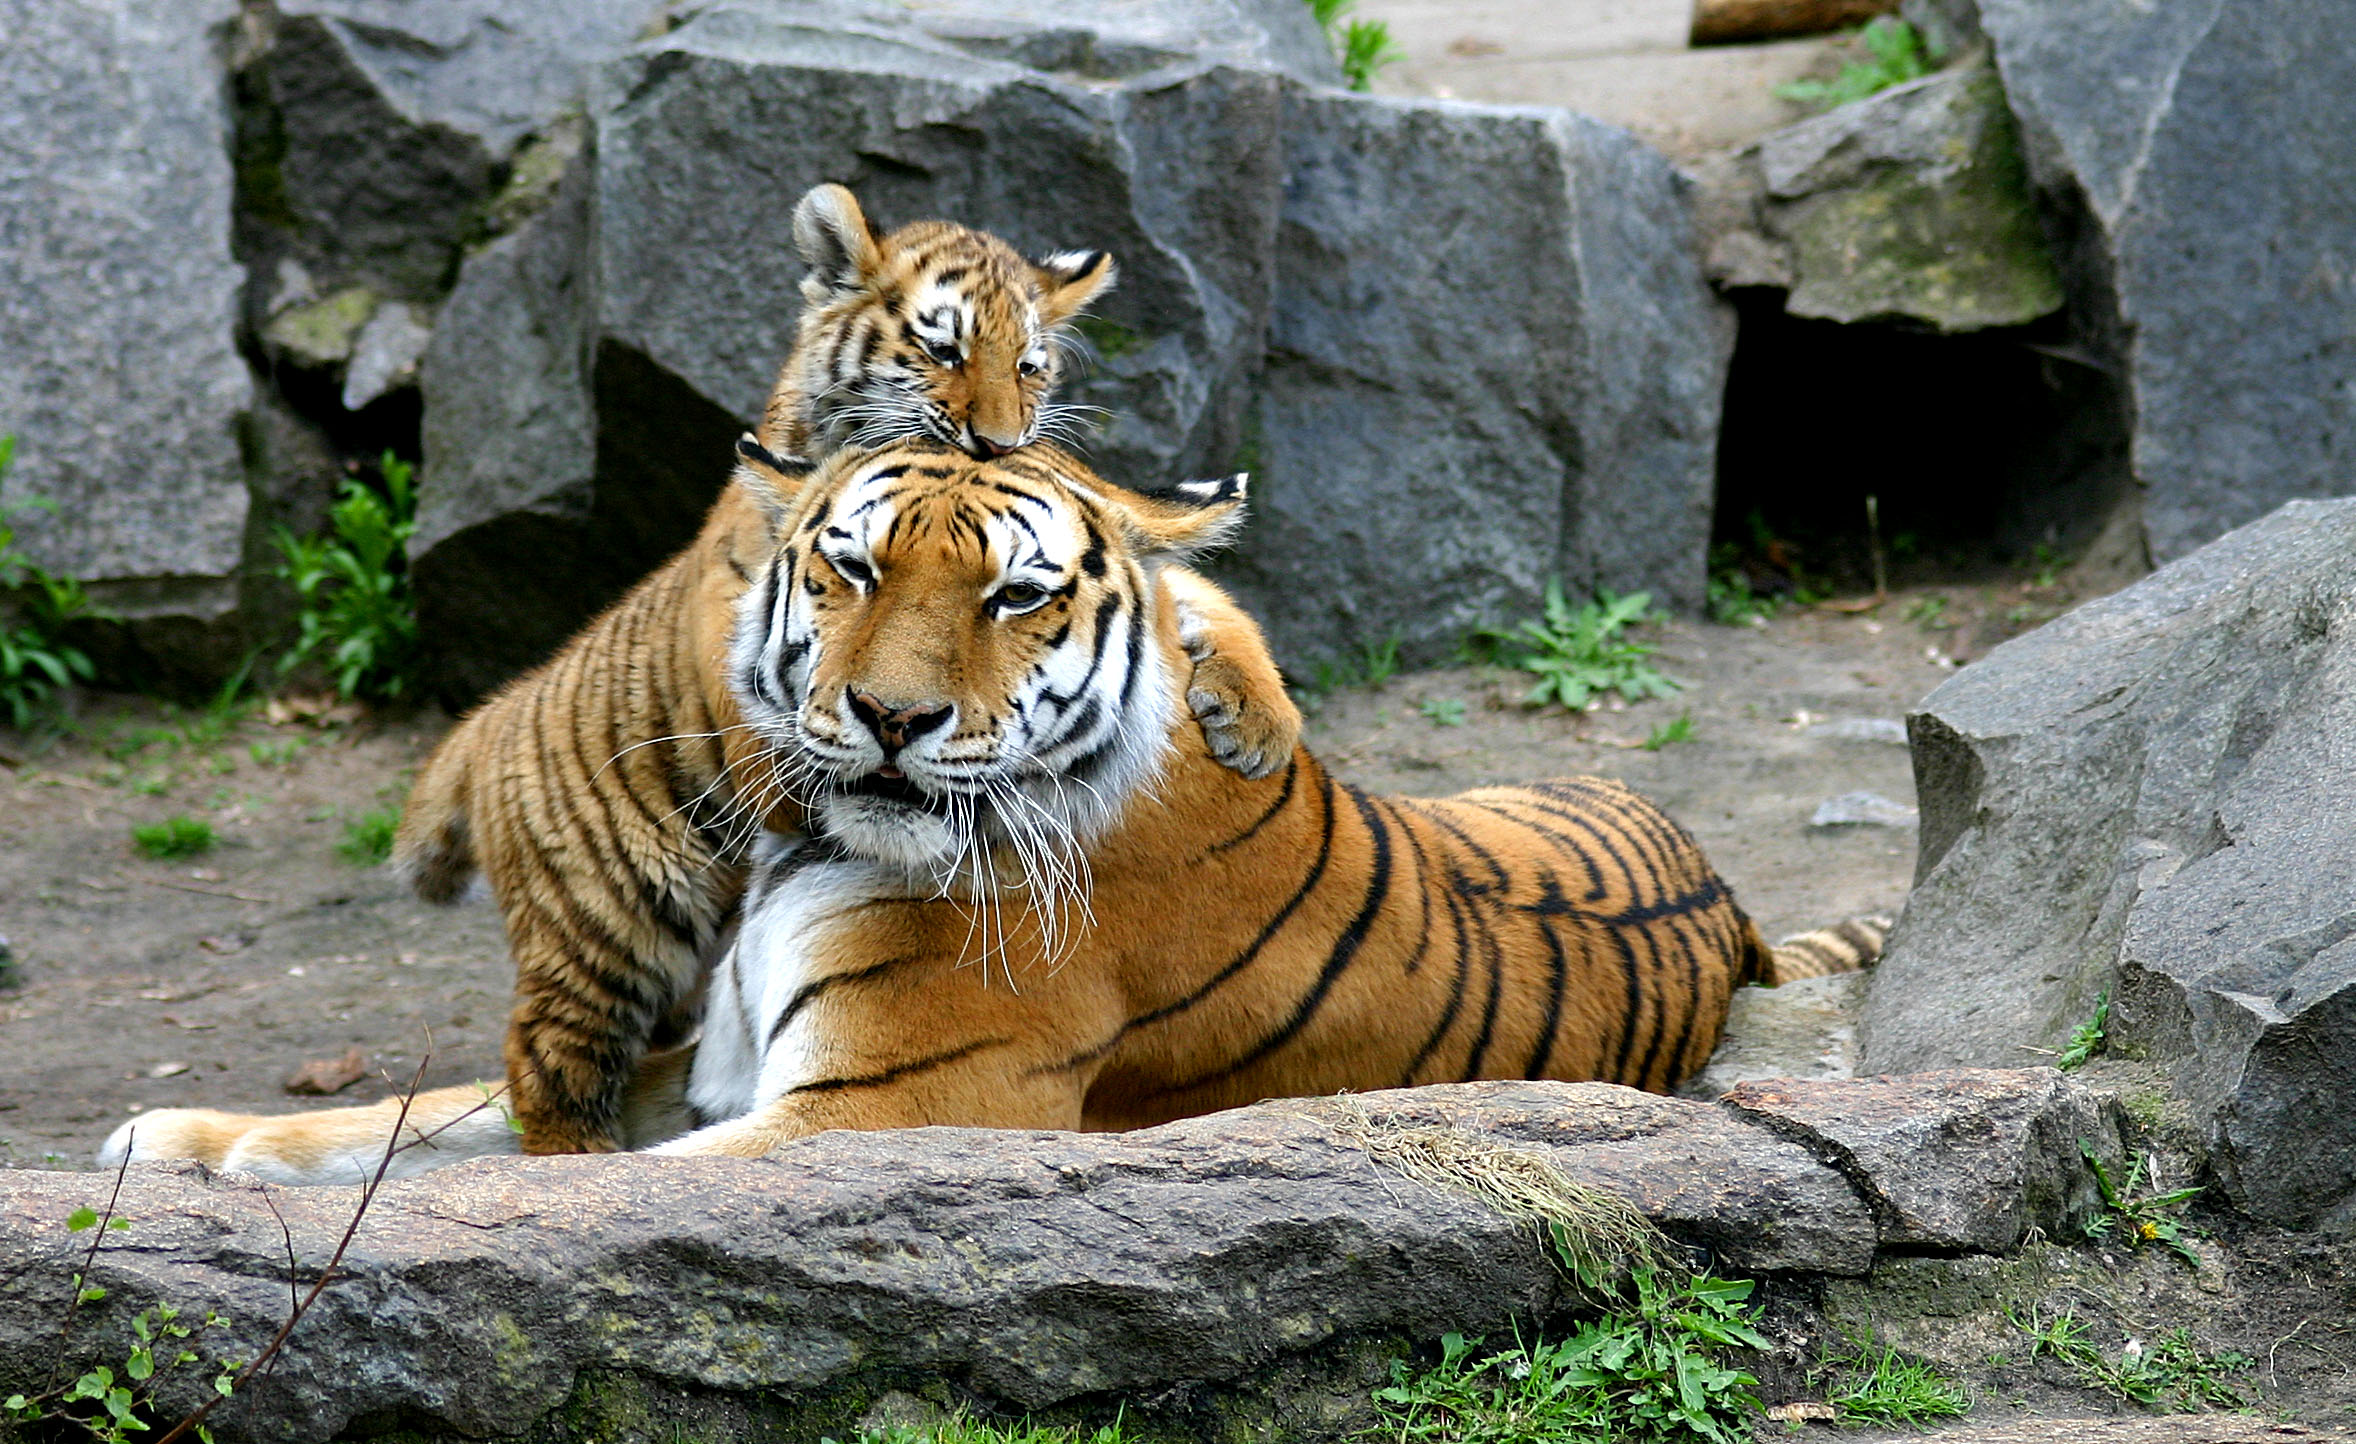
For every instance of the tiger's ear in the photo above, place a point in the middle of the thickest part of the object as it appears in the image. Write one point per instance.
(835, 238)
(1183, 521)
(1069, 280)
(774, 480)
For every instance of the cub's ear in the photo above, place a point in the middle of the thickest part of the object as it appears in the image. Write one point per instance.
(773, 480)
(836, 239)
(1069, 280)
(1186, 519)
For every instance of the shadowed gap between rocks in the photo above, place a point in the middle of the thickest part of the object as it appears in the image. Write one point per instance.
(513, 589)
(1979, 448)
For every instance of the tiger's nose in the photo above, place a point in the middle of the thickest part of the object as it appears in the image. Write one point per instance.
(987, 447)
(896, 727)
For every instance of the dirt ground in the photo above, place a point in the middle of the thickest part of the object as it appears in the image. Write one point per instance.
(208, 980)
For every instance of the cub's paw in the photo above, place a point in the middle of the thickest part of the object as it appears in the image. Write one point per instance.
(331, 1145)
(1249, 721)
(1242, 735)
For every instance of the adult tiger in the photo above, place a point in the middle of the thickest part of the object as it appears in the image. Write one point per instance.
(596, 794)
(1026, 895)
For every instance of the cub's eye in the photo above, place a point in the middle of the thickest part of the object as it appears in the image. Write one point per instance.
(852, 570)
(1015, 598)
(1028, 367)
(944, 352)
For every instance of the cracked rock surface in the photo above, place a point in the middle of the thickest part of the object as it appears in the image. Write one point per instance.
(2153, 796)
(1030, 1267)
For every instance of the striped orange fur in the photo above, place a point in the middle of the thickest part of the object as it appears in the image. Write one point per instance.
(1023, 893)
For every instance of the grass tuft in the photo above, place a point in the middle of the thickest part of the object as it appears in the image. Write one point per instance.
(1895, 53)
(1870, 1386)
(368, 838)
(1580, 652)
(174, 837)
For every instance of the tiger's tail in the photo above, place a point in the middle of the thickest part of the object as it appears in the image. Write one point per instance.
(434, 849)
(1845, 947)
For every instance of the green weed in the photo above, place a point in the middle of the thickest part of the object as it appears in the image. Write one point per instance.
(276, 753)
(2174, 1372)
(2087, 1039)
(356, 612)
(1670, 733)
(174, 837)
(1376, 663)
(1580, 652)
(2151, 1218)
(1870, 1386)
(1895, 54)
(1732, 603)
(1443, 711)
(1930, 614)
(1364, 47)
(36, 663)
(368, 838)
(111, 1404)
(961, 1430)
(1648, 1371)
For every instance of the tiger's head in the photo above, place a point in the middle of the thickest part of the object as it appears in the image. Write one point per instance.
(931, 330)
(952, 655)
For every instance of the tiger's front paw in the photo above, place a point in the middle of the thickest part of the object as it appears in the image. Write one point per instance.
(1242, 734)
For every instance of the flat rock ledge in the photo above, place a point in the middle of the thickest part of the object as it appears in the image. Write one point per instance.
(1027, 1268)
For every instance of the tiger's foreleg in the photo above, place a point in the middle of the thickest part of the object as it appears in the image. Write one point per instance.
(1248, 718)
(333, 1145)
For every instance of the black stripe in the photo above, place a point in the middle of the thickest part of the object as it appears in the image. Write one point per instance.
(1241, 960)
(1463, 956)
(1558, 977)
(810, 992)
(899, 1071)
(1284, 795)
(1337, 961)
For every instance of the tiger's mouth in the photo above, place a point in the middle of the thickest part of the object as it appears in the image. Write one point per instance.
(890, 784)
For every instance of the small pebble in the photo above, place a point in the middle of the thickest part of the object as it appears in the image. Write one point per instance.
(1863, 809)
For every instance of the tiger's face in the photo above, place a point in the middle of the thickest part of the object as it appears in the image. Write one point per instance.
(953, 655)
(933, 330)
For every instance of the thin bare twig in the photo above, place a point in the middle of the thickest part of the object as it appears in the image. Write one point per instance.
(259, 1367)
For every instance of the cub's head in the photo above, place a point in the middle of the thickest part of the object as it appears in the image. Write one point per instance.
(932, 330)
(951, 655)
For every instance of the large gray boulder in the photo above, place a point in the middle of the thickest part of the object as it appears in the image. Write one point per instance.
(1913, 205)
(2153, 795)
(2201, 145)
(1475, 385)
(119, 372)
(1025, 1268)
(1453, 409)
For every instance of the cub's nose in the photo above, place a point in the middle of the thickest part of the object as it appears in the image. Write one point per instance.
(896, 726)
(984, 447)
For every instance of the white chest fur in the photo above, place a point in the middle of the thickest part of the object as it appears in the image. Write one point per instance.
(764, 1033)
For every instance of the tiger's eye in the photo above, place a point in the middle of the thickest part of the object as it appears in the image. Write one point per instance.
(1021, 594)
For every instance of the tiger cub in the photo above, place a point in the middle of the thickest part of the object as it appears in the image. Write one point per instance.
(1029, 898)
(604, 796)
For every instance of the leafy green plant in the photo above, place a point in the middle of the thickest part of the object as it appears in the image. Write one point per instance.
(35, 661)
(1443, 711)
(2147, 1219)
(1732, 603)
(1895, 54)
(959, 1429)
(356, 612)
(2088, 1038)
(1670, 733)
(2174, 1372)
(1580, 652)
(1930, 614)
(107, 1403)
(181, 836)
(1648, 1371)
(1375, 663)
(1364, 47)
(368, 838)
(1876, 1386)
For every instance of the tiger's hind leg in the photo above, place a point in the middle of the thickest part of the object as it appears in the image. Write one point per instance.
(1236, 694)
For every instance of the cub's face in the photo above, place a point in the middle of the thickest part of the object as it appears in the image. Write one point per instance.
(953, 654)
(934, 330)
